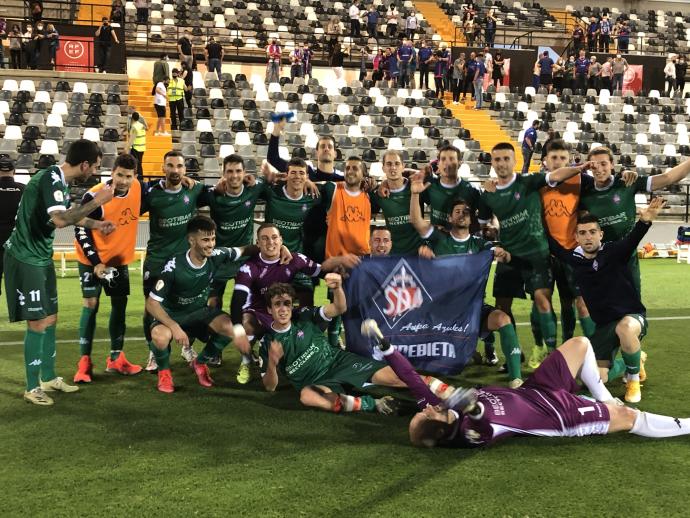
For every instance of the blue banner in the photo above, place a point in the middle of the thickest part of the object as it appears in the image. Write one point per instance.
(429, 309)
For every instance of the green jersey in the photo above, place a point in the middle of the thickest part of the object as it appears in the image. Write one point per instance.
(307, 353)
(440, 197)
(169, 212)
(289, 214)
(614, 205)
(31, 241)
(234, 214)
(184, 287)
(396, 212)
(519, 211)
(444, 243)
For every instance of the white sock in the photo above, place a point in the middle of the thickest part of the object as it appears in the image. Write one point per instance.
(350, 403)
(589, 374)
(246, 359)
(654, 425)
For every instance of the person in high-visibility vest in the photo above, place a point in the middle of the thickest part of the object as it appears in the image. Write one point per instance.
(176, 98)
(137, 141)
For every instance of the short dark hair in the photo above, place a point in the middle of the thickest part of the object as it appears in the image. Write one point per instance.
(135, 116)
(325, 137)
(296, 161)
(558, 145)
(83, 150)
(201, 224)
(264, 225)
(374, 228)
(503, 146)
(459, 201)
(449, 147)
(601, 150)
(173, 153)
(535, 123)
(125, 161)
(362, 165)
(431, 433)
(233, 159)
(278, 289)
(587, 217)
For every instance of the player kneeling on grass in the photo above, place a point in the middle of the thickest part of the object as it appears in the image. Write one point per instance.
(547, 405)
(178, 302)
(296, 347)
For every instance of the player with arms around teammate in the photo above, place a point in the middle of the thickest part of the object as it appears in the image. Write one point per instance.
(103, 261)
(30, 281)
(611, 295)
(178, 302)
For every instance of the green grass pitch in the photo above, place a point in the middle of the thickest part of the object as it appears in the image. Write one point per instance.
(120, 448)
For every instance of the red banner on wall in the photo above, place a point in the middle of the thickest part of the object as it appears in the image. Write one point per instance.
(632, 80)
(75, 53)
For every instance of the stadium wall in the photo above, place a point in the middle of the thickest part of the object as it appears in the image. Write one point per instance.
(626, 5)
(521, 63)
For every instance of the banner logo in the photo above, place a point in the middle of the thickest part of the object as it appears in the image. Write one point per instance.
(400, 293)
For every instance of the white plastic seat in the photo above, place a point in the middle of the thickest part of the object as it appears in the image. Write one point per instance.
(49, 147)
(242, 139)
(308, 98)
(418, 133)
(354, 131)
(306, 129)
(311, 141)
(569, 137)
(215, 93)
(4, 107)
(417, 112)
(226, 150)
(203, 125)
(364, 121)
(522, 106)
(92, 134)
(381, 102)
(641, 161)
(572, 127)
(10, 85)
(13, 133)
(641, 138)
(80, 87)
(236, 114)
(460, 144)
(42, 97)
(376, 170)
(395, 143)
(274, 88)
(27, 85)
(670, 150)
(59, 108)
(282, 107)
(529, 90)
(403, 111)
(54, 120)
(628, 109)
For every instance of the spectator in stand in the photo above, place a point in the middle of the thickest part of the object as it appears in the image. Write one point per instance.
(137, 141)
(405, 53)
(619, 67)
(336, 60)
(3, 35)
(546, 71)
(105, 37)
(624, 37)
(411, 25)
(214, 56)
(333, 30)
(607, 74)
(364, 58)
(175, 93)
(392, 67)
(439, 74)
(185, 49)
(536, 72)
(117, 12)
(458, 76)
(470, 67)
(423, 57)
(681, 70)
(605, 31)
(578, 39)
(445, 57)
(467, 27)
(581, 71)
(490, 28)
(354, 20)
(529, 141)
(412, 67)
(160, 100)
(497, 72)
(594, 74)
(670, 76)
(558, 75)
(273, 53)
(392, 21)
(373, 22)
(15, 37)
(28, 46)
(478, 81)
(53, 39)
(36, 10)
(476, 31)
(307, 55)
(296, 63)
(379, 60)
(592, 34)
(142, 7)
(161, 69)
(39, 38)
(188, 77)
(569, 78)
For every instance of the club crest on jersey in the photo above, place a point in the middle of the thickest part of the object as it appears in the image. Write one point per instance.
(595, 265)
(300, 334)
(55, 176)
(517, 195)
(400, 293)
(248, 203)
(186, 199)
(616, 198)
(304, 208)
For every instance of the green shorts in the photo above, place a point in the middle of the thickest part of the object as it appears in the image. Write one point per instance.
(564, 279)
(508, 282)
(91, 285)
(31, 290)
(195, 323)
(348, 370)
(152, 272)
(605, 340)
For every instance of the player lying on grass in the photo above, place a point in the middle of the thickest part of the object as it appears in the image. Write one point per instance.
(546, 405)
(297, 348)
(608, 287)
(178, 302)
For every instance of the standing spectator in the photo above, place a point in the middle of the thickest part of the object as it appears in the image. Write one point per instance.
(439, 73)
(3, 35)
(497, 73)
(536, 72)
(296, 63)
(458, 76)
(478, 81)
(36, 10)
(105, 36)
(488, 60)
(476, 31)
(619, 67)
(404, 54)
(594, 74)
(581, 71)
(392, 21)
(445, 58)
(160, 99)
(606, 74)
(623, 37)
(38, 41)
(214, 56)
(15, 38)
(10, 194)
(412, 67)
(411, 25)
(592, 34)
(354, 20)
(392, 67)
(176, 98)
(490, 28)
(470, 68)
(681, 70)
(379, 59)
(423, 57)
(363, 60)
(161, 69)
(605, 30)
(117, 12)
(546, 71)
(273, 52)
(670, 76)
(558, 75)
(569, 78)
(372, 22)
(336, 61)
(137, 142)
(333, 30)
(578, 39)
(307, 55)
(53, 39)
(142, 7)
(188, 77)
(467, 27)
(528, 142)
(185, 49)
(28, 47)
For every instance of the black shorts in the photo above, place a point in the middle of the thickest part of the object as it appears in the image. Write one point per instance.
(160, 110)
(564, 279)
(545, 79)
(91, 285)
(484, 320)
(195, 323)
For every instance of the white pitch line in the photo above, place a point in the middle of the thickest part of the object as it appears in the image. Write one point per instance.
(138, 339)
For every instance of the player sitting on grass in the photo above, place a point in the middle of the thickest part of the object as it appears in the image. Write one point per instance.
(609, 289)
(297, 348)
(547, 405)
(178, 302)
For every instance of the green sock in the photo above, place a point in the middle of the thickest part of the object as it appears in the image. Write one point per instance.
(368, 404)
(632, 361)
(87, 325)
(117, 325)
(568, 322)
(617, 369)
(547, 322)
(48, 355)
(511, 350)
(162, 356)
(334, 330)
(535, 326)
(33, 343)
(213, 348)
(588, 326)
